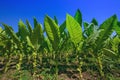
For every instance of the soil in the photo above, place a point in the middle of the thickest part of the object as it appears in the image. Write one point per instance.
(70, 75)
(66, 72)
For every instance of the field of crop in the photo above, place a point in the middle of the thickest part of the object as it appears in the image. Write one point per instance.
(74, 50)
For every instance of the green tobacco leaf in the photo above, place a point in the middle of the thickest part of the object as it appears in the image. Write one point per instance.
(29, 42)
(78, 17)
(94, 21)
(89, 29)
(11, 33)
(85, 24)
(1, 29)
(107, 29)
(109, 53)
(62, 30)
(117, 28)
(62, 27)
(55, 19)
(52, 31)
(35, 22)
(74, 29)
(23, 32)
(115, 44)
(29, 27)
(37, 36)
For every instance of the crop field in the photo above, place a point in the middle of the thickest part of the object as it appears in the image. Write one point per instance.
(73, 50)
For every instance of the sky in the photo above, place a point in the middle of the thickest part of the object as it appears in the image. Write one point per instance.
(11, 11)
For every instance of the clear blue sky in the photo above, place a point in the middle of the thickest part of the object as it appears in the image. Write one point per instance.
(11, 11)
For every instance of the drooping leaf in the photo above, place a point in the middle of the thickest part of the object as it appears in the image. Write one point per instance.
(107, 29)
(11, 33)
(78, 17)
(23, 32)
(109, 53)
(52, 31)
(74, 29)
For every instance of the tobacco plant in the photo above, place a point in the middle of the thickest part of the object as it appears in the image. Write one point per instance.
(76, 42)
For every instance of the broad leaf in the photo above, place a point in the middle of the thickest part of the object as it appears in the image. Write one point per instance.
(11, 33)
(62, 27)
(74, 29)
(109, 53)
(29, 42)
(52, 31)
(56, 21)
(29, 27)
(115, 44)
(78, 17)
(89, 29)
(37, 36)
(94, 21)
(107, 29)
(117, 28)
(35, 22)
(1, 29)
(23, 32)
(85, 24)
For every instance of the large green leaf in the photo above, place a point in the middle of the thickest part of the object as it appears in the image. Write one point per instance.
(56, 21)
(35, 22)
(29, 27)
(29, 42)
(62, 27)
(37, 36)
(107, 29)
(78, 17)
(85, 24)
(11, 33)
(117, 28)
(89, 29)
(74, 29)
(94, 21)
(115, 44)
(52, 31)
(23, 32)
(109, 53)
(1, 29)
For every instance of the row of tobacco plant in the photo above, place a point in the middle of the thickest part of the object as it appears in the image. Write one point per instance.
(86, 45)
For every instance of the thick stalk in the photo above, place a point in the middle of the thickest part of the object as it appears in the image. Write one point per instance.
(100, 67)
(80, 70)
(18, 66)
(8, 63)
(56, 69)
(34, 55)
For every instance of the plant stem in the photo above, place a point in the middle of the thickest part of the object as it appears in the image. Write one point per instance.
(100, 67)
(7, 64)
(34, 62)
(80, 70)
